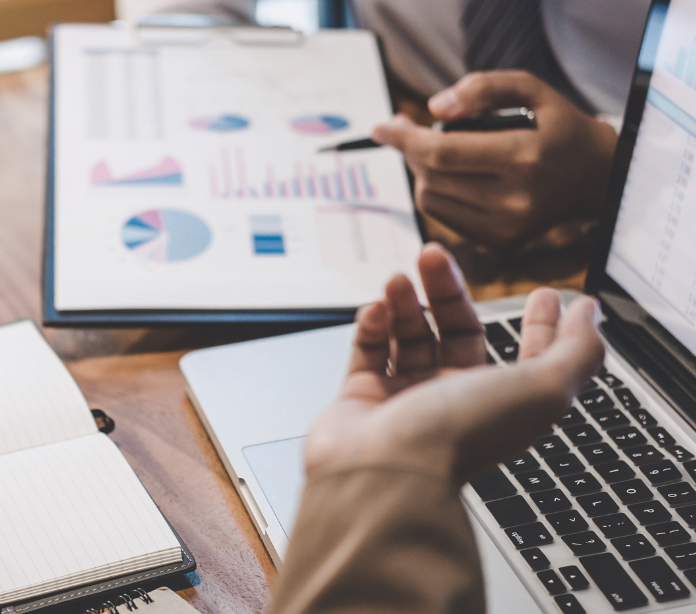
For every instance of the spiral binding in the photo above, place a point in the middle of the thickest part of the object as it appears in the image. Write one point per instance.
(109, 607)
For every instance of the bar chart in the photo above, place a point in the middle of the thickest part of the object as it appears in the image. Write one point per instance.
(233, 176)
(683, 67)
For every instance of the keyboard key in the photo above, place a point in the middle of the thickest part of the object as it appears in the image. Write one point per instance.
(627, 437)
(650, 512)
(616, 471)
(489, 358)
(690, 576)
(507, 351)
(535, 558)
(614, 582)
(584, 543)
(615, 525)
(565, 464)
(626, 398)
(582, 434)
(680, 453)
(690, 468)
(493, 485)
(598, 504)
(526, 462)
(511, 512)
(643, 417)
(516, 324)
(633, 547)
(570, 521)
(581, 484)
(569, 604)
(678, 494)
(610, 418)
(572, 417)
(589, 385)
(598, 453)
(533, 481)
(529, 535)
(610, 380)
(551, 582)
(643, 454)
(661, 436)
(632, 491)
(551, 501)
(661, 472)
(595, 400)
(683, 556)
(659, 579)
(688, 514)
(497, 333)
(574, 577)
(668, 533)
(550, 446)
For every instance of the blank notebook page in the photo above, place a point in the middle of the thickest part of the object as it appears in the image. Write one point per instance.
(74, 512)
(39, 400)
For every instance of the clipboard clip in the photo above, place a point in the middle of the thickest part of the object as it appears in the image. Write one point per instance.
(184, 29)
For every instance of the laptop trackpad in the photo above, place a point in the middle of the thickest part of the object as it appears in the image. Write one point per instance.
(278, 468)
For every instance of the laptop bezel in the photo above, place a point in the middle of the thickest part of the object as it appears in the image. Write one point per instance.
(654, 352)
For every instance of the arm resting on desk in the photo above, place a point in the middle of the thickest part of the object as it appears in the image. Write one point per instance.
(378, 539)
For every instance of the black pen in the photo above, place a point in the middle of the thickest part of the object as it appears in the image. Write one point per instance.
(504, 119)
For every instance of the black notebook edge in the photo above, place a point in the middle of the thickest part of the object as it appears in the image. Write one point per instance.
(78, 599)
(301, 319)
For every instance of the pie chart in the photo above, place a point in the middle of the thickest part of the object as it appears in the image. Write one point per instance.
(166, 235)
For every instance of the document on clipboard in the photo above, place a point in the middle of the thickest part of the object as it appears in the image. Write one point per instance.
(185, 173)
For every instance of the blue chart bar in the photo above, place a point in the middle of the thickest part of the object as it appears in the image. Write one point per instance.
(684, 67)
(267, 235)
(671, 110)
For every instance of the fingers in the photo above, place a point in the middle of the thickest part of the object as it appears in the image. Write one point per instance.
(461, 334)
(479, 92)
(414, 342)
(577, 351)
(475, 224)
(454, 152)
(371, 345)
(541, 315)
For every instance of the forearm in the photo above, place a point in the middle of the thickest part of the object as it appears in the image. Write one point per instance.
(380, 540)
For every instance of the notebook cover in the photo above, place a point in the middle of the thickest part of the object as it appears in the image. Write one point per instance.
(79, 599)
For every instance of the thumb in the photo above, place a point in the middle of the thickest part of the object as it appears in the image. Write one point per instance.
(481, 92)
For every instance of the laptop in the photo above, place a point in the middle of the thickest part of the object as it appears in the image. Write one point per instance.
(600, 515)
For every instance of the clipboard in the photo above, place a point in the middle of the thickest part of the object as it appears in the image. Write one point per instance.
(161, 34)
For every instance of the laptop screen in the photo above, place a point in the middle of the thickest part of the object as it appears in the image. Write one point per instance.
(652, 255)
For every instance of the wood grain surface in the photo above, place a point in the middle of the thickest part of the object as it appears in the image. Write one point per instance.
(135, 379)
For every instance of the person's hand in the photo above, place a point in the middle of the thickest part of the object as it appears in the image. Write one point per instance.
(410, 400)
(500, 188)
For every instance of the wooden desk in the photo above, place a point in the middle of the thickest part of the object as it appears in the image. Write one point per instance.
(156, 426)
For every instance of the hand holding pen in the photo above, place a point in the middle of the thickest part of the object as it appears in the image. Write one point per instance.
(501, 188)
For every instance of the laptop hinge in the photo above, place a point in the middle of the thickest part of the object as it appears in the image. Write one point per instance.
(660, 368)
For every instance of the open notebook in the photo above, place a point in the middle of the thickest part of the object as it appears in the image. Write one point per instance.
(72, 511)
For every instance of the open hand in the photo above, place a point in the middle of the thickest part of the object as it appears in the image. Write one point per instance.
(501, 188)
(415, 401)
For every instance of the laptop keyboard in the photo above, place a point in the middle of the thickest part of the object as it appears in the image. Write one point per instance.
(612, 485)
